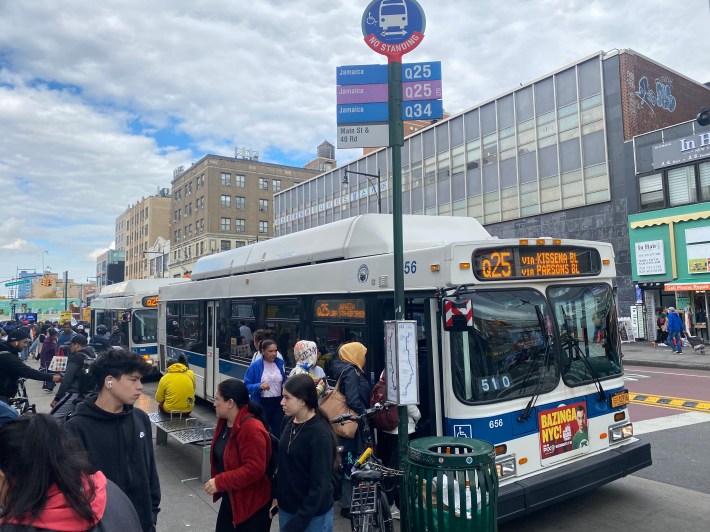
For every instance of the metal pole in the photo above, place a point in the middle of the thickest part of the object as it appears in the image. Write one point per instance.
(394, 79)
(66, 293)
(379, 193)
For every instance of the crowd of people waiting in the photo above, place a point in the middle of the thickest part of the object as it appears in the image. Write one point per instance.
(274, 450)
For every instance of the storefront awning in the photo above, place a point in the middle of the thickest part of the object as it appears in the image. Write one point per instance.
(686, 286)
(687, 217)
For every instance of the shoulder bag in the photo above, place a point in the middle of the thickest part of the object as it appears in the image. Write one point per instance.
(335, 405)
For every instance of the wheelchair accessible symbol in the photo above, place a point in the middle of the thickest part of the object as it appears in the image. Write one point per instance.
(463, 431)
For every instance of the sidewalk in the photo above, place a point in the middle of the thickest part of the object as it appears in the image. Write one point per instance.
(643, 353)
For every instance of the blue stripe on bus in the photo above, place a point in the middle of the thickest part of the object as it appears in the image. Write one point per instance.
(226, 367)
(506, 427)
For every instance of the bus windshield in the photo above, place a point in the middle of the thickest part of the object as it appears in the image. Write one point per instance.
(509, 351)
(587, 322)
(144, 326)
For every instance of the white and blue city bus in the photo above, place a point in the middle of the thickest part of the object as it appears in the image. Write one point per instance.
(517, 339)
(133, 307)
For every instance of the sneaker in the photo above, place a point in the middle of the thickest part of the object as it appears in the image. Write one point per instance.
(394, 511)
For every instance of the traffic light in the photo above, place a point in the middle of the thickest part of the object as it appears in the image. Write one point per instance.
(47, 281)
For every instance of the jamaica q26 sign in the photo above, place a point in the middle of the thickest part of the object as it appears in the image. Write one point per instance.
(393, 27)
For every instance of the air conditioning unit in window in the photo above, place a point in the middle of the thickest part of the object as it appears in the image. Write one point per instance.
(262, 208)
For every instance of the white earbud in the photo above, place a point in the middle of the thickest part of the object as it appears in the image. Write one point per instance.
(109, 383)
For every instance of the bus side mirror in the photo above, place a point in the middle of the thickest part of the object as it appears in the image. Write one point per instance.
(458, 314)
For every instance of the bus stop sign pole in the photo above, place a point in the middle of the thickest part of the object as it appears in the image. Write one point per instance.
(393, 29)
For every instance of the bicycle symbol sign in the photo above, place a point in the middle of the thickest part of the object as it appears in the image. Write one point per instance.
(393, 27)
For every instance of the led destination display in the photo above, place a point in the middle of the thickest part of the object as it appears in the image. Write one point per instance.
(531, 262)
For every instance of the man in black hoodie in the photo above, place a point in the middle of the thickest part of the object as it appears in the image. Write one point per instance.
(12, 368)
(73, 389)
(118, 436)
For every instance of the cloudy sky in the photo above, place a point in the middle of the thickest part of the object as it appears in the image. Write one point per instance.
(101, 100)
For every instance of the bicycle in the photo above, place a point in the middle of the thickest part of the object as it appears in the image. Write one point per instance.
(21, 402)
(369, 509)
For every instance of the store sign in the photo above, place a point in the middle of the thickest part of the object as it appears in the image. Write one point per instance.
(687, 149)
(650, 259)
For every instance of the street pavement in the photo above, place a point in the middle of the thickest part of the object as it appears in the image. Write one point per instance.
(186, 506)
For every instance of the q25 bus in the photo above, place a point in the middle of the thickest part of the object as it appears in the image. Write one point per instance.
(132, 306)
(517, 340)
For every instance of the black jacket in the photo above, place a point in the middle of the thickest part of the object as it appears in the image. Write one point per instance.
(121, 446)
(12, 368)
(356, 389)
(70, 382)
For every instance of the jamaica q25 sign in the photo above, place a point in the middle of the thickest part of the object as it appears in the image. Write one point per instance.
(393, 27)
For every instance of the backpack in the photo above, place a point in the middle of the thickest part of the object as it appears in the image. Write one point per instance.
(272, 466)
(84, 378)
(386, 419)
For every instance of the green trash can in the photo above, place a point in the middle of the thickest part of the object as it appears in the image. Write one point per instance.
(451, 484)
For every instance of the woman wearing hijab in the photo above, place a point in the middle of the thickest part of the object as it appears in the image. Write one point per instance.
(306, 354)
(348, 368)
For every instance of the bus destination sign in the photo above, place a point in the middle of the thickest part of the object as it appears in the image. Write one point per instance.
(535, 262)
(150, 301)
(340, 310)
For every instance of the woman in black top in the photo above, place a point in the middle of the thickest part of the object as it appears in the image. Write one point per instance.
(307, 455)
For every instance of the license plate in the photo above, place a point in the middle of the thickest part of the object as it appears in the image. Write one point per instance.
(620, 399)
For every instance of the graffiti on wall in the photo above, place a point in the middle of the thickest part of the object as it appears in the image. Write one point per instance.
(662, 97)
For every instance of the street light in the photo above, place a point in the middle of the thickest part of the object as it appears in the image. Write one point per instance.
(368, 176)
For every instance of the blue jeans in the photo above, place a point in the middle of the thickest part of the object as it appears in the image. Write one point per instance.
(320, 523)
(675, 341)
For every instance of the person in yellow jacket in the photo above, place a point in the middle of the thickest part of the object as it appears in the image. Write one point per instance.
(176, 389)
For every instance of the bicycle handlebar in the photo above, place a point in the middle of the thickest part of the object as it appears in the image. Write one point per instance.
(360, 418)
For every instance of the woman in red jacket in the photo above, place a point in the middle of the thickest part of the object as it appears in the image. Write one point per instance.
(240, 454)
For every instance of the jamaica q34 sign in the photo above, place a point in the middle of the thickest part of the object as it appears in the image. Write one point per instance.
(393, 27)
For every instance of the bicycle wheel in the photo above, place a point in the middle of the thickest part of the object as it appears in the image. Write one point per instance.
(361, 523)
(384, 515)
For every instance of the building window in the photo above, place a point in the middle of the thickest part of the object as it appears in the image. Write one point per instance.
(240, 181)
(226, 201)
(202, 247)
(263, 205)
(226, 179)
(263, 227)
(276, 184)
(651, 190)
(239, 244)
(226, 224)
(681, 185)
(225, 245)
(240, 225)
(239, 202)
(263, 184)
(704, 173)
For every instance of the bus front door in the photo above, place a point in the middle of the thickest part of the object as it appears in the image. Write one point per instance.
(212, 362)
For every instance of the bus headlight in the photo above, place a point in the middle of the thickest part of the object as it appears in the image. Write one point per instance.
(621, 432)
(505, 466)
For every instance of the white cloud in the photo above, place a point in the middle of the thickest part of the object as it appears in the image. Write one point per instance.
(87, 87)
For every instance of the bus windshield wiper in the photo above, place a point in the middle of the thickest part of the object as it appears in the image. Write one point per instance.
(522, 418)
(571, 341)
